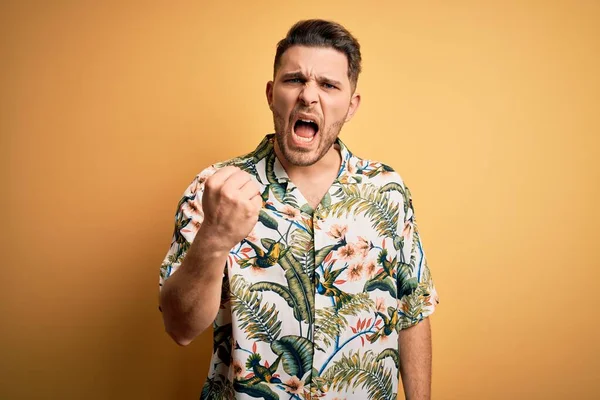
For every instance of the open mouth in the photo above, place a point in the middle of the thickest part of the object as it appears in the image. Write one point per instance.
(305, 130)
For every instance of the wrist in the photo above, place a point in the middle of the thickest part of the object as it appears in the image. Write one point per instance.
(211, 241)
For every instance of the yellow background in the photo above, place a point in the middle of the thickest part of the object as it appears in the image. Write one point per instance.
(489, 110)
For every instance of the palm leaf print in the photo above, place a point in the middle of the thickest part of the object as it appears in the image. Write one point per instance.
(261, 152)
(218, 388)
(406, 284)
(302, 248)
(398, 188)
(328, 327)
(243, 162)
(298, 291)
(181, 221)
(258, 320)
(275, 187)
(179, 251)
(353, 370)
(284, 292)
(270, 167)
(296, 354)
(376, 206)
(412, 307)
(359, 303)
(330, 322)
(290, 199)
(222, 342)
(258, 390)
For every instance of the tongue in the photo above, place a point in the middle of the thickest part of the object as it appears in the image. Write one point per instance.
(305, 130)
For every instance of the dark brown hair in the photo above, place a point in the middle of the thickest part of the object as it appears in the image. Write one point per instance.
(321, 33)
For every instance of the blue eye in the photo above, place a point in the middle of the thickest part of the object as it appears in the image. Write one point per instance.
(329, 86)
(293, 80)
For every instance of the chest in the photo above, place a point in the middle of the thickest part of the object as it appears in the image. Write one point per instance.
(313, 192)
(323, 239)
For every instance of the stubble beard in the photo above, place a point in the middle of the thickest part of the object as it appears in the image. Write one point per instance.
(299, 157)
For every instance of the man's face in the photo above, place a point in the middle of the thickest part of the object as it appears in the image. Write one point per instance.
(311, 99)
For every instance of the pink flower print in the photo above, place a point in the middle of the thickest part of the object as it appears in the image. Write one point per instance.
(371, 268)
(294, 385)
(355, 272)
(290, 212)
(363, 246)
(337, 231)
(238, 369)
(347, 252)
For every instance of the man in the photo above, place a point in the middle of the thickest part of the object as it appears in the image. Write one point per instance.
(305, 258)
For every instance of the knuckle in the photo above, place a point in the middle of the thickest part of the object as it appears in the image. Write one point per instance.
(211, 183)
(229, 194)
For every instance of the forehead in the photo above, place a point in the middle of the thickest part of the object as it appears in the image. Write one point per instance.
(324, 61)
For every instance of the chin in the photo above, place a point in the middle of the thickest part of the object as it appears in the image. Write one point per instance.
(300, 157)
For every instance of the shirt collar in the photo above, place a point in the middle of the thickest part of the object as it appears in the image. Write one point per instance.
(266, 149)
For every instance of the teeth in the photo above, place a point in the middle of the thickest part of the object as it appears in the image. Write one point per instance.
(308, 120)
(303, 139)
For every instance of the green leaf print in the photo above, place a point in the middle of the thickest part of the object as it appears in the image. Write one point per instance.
(290, 199)
(330, 322)
(391, 353)
(270, 167)
(281, 290)
(258, 390)
(222, 334)
(321, 254)
(302, 248)
(385, 284)
(296, 354)
(398, 242)
(367, 200)
(405, 282)
(354, 370)
(267, 243)
(274, 186)
(300, 285)
(218, 388)
(261, 152)
(258, 320)
(267, 220)
(328, 327)
(326, 200)
(298, 291)
(222, 342)
(392, 186)
(307, 209)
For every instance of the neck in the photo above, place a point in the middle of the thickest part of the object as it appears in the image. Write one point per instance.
(328, 165)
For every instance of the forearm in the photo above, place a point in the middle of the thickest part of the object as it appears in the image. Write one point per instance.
(415, 360)
(190, 298)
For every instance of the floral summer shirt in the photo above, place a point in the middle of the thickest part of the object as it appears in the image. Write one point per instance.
(313, 300)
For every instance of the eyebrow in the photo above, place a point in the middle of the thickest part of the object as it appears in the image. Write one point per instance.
(300, 75)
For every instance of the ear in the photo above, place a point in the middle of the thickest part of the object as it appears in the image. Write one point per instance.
(353, 107)
(269, 93)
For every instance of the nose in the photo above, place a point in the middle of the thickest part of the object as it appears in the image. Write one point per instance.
(309, 94)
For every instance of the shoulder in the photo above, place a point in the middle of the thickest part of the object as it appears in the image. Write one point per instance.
(244, 162)
(374, 172)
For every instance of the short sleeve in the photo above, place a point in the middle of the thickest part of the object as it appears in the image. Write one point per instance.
(188, 219)
(417, 296)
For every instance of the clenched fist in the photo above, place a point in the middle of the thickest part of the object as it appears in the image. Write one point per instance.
(231, 203)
